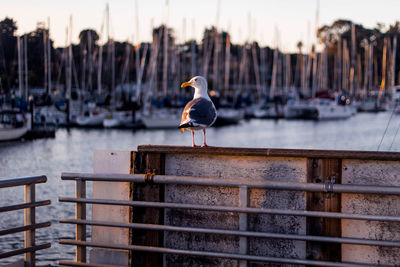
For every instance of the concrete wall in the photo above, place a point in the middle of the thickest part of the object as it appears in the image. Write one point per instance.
(111, 162)
(280, 169)
(367, 172)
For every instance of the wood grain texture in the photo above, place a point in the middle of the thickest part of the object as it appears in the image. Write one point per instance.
(322, 171)
(80, 214)
(143, 163)
(272, 152)
(30, 218)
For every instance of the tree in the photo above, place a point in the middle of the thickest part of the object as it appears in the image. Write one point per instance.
(8, 27)
(84, 37)
(299, 46)
(8, 44)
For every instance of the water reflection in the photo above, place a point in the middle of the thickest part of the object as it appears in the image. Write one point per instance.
(72, 151)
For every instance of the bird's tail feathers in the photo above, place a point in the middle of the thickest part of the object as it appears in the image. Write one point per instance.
(184, 126)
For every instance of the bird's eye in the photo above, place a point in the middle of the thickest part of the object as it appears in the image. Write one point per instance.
(195, 79)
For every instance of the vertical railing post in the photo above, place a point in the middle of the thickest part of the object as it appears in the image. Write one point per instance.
(243, 203)
(29, 219)
(80, 214)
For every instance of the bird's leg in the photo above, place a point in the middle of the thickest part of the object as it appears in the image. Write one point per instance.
(193, 144)
(204, 139)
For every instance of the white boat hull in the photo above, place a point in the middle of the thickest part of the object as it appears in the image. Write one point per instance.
(318, 110)
(334, 112)
(117, 119)
(7, 134)
(95, 120)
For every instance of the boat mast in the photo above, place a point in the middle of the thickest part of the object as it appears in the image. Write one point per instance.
(366, 67)
(100, 60)
(154, 57)
(20, 85)
(90, 60)
(109, 49)
(45, 58)
(370, 67)
(193, 51)
(263, 68)
(256, 69)
(137, 54)
(48, 55)
(339, 64)
(227, 61)
(216, 47)
(26, 66)
(165, 51)
(315, 54)
(393, 61)
(274, 73)
(69, 65)
(383, 83)
(353, 59)
(274, 67)
(84, 54)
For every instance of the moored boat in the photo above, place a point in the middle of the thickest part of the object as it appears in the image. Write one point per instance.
(13, 125)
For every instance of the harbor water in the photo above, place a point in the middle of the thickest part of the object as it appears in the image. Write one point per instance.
(72, 151)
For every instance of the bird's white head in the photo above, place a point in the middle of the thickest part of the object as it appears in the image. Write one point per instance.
(199, 84)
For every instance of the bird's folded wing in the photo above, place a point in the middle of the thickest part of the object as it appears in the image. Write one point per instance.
(199, 112)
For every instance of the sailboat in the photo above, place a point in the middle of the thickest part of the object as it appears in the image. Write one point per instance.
(13, 125)
(93, 116)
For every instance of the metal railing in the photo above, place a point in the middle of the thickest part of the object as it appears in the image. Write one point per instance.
(30, 225)
(243, 184)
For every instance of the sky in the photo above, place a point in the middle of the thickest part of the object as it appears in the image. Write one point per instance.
(270, 22)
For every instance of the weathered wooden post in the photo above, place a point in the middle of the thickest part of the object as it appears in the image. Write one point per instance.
(80, 214)
(323, 171)
(150, 163)
(29, 220)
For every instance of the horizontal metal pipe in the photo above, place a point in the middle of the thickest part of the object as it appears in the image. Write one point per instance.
(149, 204)
(22, 181)
(25, 205)
(229, 182)
(210, 254)
(86, 264)
(344, 240)
(24, 250)
(24, 228)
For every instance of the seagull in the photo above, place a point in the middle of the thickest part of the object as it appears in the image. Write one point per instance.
(200, 112)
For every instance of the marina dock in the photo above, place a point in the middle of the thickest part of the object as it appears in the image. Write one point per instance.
(217, 206)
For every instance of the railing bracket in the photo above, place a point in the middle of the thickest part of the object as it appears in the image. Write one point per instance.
(149, 177)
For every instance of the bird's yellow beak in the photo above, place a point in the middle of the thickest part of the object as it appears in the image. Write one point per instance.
(186, 84)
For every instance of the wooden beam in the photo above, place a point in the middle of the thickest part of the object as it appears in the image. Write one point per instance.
(80, 214)
(323, 171)
(272, 152)
(30, 193)
(143, 163)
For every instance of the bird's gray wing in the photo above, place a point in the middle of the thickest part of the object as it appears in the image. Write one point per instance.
(199, 112)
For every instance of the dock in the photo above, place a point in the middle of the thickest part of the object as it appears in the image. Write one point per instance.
(217, 206)
(40, 132)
